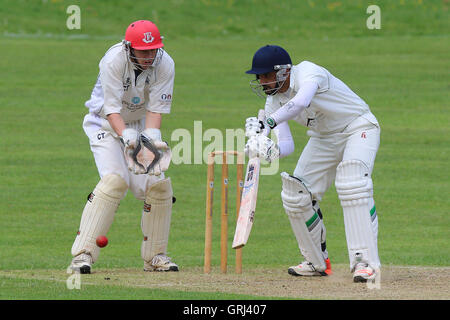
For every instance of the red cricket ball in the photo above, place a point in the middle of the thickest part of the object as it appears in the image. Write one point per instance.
(102, 241)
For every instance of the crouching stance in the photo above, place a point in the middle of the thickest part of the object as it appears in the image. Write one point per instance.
(133, 90)
(344, 139)
(99, 213)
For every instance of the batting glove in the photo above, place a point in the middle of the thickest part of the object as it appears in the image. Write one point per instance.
(261, 146)
(253, 126)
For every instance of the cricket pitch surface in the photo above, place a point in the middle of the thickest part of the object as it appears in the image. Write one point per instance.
(397, 282)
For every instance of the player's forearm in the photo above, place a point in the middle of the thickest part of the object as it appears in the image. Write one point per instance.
(285, 140)
(153, 120)
(116, 122)
(293, 108)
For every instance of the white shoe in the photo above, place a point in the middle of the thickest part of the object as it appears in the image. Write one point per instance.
(307, 269)
(160, 262)
(363, 272)
(82, 263)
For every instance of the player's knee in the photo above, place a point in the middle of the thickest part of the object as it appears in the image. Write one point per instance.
(295, 195)
(353, 180)
(159, 191)
(316, 208)
(113, 186)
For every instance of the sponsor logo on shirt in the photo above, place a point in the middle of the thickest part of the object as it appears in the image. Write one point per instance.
(311, 122)
(127, 84)
(166, 98)
(136, 100)
(133, 107)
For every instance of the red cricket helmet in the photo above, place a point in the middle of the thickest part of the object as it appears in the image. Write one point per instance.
(143, 35)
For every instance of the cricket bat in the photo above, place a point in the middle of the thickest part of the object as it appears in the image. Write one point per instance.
(248, 201)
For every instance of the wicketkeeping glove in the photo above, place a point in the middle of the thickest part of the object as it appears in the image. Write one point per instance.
(154, 155)
(129, 139)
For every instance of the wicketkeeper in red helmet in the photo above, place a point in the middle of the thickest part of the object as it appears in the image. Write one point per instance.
(133, 90)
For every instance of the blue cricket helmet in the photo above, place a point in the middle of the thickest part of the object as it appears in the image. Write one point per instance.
(269, 58)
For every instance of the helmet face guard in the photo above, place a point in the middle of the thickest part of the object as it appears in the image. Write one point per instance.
(143, 35)
(146, 62)
(268, 59)
(261, 90)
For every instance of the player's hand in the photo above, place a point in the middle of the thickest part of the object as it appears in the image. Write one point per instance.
(155, 155)
(129, 139)
(163, 164)
(253, 125)
(263, 147)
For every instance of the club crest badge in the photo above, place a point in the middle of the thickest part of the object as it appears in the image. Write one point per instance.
(148, 38)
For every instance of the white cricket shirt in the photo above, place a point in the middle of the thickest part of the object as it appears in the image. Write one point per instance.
(333, 106)
(120, 90)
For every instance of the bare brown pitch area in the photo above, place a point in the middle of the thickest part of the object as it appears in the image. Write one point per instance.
(396, 282)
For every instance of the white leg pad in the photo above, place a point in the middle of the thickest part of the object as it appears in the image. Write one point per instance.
(98, 214)
(156, 216)
(373, 218)
(355, 191)
(323, 232)
(305, 222)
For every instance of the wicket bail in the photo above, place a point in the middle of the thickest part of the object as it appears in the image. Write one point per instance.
(224, 209)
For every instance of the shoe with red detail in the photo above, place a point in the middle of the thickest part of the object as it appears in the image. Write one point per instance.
(363, 272)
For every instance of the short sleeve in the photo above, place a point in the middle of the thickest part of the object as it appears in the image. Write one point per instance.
(161, 91)
(111, 82)
(310, 72)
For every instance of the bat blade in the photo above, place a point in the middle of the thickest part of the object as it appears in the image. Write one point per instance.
(248, 204)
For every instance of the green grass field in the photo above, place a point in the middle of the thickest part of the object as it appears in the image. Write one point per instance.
(47, 169)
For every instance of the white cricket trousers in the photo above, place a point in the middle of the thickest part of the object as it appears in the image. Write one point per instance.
(322, 154)
(108, 154)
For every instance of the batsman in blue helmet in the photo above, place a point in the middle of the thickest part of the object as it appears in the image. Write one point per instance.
(344, 137)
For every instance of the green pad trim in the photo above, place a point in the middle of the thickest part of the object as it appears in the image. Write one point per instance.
(313, 221)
